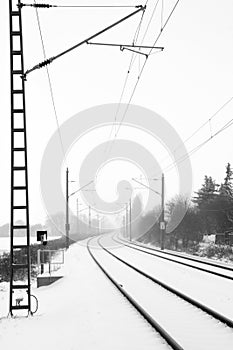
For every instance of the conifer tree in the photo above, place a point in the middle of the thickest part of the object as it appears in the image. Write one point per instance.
(226, 189)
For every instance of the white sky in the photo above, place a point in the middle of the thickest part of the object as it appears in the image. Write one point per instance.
(185, 84)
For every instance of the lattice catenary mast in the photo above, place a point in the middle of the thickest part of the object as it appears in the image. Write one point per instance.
(19, 168)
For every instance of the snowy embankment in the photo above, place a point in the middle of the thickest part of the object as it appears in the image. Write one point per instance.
(81, 311)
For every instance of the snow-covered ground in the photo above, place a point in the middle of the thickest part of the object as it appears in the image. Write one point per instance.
(179, 257)
(192, 328)
(81, 311)
(213, 291)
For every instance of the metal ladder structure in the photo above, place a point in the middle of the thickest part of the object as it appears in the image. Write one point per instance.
(19, 222)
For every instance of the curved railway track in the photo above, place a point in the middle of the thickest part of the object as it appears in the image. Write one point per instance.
(136, 305)
(165, 255)
(185, 299)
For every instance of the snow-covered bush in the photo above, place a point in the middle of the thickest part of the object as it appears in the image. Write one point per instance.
(216, 251)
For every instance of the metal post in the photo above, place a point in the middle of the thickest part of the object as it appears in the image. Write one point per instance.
(130, 219)
(67, 208)
(89, 217)
(50, 263)
(98, 225)
(123, 226)
(162, 223)
(126, 220)
(77, 217)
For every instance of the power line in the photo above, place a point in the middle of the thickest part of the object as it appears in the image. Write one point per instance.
(50, 84)
(149, 23)
(195, 149)
(201, 127)
(132, 60)
(126, 78)
(143, 67)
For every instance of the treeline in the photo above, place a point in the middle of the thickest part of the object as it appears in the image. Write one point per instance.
(210, 211)
(54, 224)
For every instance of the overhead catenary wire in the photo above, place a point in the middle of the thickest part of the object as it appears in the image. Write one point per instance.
(143, 67)
(133, 56)
(132, 60)
(195, 149)
(208, 121)
(50, 86)
(149, 23)
(140, 73)
(162, 10)
(126, 79)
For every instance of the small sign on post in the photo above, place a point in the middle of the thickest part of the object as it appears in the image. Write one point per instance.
(42, 237)
(162, 225)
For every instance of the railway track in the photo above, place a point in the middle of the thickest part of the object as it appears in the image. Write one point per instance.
(155, 325)
(194, 263)
(190, 310)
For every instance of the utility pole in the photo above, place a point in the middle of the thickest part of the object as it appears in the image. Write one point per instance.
(162, 223)
(77, 216)
(89, 217)
(130, 219)
(98, 224)
(123, 226)
(126, 219)
(67, 226)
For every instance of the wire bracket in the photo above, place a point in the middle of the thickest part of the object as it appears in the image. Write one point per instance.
(122, 48)
(129, 47)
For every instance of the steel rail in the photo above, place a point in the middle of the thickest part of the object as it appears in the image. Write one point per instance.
(183, 296)
(187, 257)
(138, 307)
(132, 246)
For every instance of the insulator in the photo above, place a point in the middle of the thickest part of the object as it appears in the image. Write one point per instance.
(37, 5)
(43, 5)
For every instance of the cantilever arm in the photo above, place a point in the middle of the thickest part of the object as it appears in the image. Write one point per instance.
(81, 188)
(149, 188)
(51, 59)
